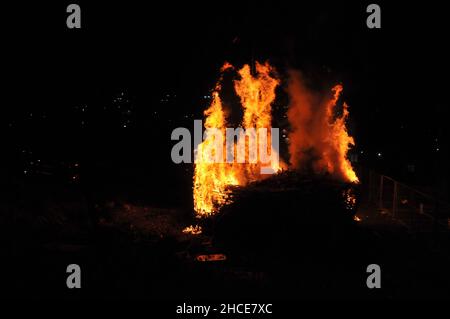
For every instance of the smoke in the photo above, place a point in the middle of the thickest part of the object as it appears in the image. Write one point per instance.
(318, 140)
(300, 113)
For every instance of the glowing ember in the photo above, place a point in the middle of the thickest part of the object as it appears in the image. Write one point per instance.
(193, 230)
(356, 218)
(349, 199)
(212, 257)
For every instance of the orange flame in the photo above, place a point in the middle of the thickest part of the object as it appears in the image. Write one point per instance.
(319, 137)
(337, 141)
(257, 95)
(212, 180)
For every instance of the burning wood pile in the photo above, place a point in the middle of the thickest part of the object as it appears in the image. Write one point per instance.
(287, 210)
(318, 140)
(311, 193)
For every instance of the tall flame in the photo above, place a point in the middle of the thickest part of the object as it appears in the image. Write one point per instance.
(212, 180)
(257, 95)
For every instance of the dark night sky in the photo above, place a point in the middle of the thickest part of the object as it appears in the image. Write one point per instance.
(394, 78)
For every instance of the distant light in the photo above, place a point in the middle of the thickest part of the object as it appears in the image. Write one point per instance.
(379, 154)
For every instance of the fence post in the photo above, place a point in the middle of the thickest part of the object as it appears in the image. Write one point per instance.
(412, 211)
(436, 216)
(394, 200)
(380, 205)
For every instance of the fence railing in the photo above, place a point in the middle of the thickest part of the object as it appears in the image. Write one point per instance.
(413, 208)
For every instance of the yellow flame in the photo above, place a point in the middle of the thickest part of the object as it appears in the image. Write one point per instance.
(212, 180)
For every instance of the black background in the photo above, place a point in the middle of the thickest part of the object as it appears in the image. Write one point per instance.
(163, 58)
(394, 77)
